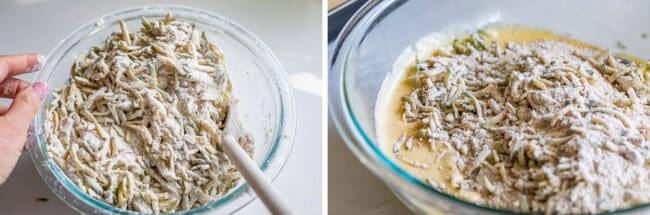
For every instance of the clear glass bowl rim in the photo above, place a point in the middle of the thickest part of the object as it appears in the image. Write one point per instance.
(272, 165)
(345, 121)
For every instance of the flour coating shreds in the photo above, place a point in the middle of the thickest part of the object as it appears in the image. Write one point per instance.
(139, 123)
(545, 126)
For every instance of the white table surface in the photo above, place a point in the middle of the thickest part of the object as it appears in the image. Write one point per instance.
(291, 28)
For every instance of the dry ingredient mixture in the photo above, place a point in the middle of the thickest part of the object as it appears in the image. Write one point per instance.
(139, 123)
(553, 126)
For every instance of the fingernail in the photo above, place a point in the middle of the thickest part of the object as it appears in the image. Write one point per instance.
(36, 62)
(41, 89)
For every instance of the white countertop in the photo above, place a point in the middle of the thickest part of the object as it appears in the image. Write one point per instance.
(291, 28)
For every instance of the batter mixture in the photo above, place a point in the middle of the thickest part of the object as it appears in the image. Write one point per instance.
(139, 123)
(518, 118)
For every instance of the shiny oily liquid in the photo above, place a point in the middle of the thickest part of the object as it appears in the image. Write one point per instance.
(438, 165)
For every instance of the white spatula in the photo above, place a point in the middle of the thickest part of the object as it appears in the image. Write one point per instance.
(273, 200)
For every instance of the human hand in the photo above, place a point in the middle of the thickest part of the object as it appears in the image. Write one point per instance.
(15, 118)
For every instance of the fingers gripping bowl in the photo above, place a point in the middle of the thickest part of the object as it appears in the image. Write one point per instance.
(370, 45)
(267, 110)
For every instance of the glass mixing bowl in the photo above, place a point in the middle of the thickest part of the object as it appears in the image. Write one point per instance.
(260, 83)
(378, 33)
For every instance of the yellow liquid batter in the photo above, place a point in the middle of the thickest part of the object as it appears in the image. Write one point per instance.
(442, 168)
(441, 161)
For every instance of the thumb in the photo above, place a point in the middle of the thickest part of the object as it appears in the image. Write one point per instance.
(16, 123)
(26, 104)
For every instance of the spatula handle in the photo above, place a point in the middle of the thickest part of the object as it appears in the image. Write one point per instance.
(255, 178)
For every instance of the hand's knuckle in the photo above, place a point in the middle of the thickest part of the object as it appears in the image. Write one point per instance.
(4, 67)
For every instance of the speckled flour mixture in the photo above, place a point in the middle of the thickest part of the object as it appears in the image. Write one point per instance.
(139, 123)
(546, 126)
